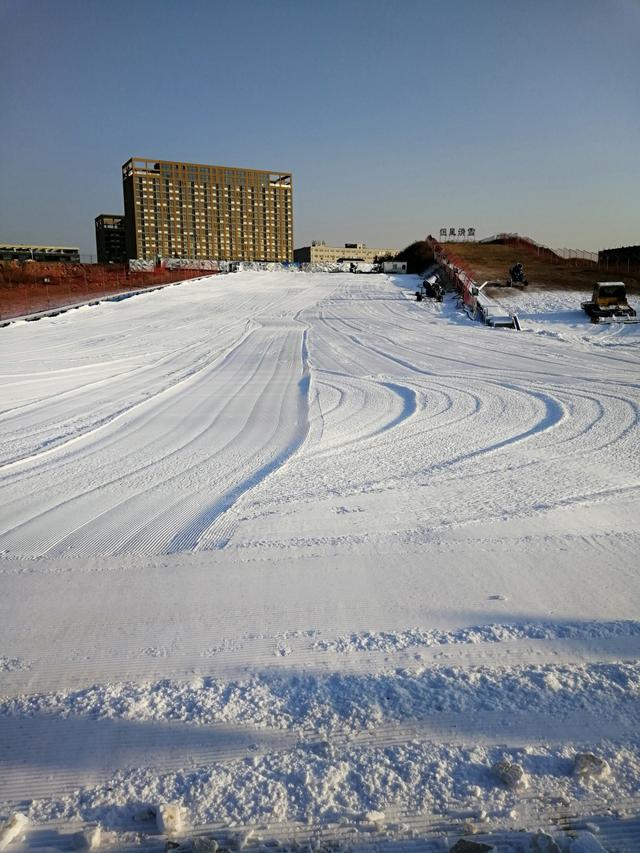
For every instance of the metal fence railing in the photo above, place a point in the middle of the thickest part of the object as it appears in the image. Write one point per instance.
(577, 254)
(577, 257)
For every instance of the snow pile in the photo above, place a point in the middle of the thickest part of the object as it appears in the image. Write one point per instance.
(12, 664)
(341, 702)
(510, 774)
(266, 266)
(12, 829)
(343, 266)
(341, 785)
(589, 766)
(393, 641)
(169, 818)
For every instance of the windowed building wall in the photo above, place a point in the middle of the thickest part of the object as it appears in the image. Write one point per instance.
(110, 238)
(320, 253)
(186, 210)
(32, 252)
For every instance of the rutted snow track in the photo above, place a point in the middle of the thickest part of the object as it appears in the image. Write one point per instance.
(291, 547)
(155, 477)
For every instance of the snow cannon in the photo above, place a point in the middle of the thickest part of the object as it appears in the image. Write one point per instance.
(516, 276)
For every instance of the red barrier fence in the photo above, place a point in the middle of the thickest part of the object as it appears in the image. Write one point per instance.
(30, 288)
(458, 271)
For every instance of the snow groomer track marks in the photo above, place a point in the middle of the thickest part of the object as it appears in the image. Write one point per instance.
(292, 549)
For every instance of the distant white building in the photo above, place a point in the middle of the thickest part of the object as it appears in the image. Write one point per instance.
(319, 253)
(394, 266)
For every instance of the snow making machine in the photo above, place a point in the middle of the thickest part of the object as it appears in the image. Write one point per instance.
(516, 276)
(432, 285)
(609, 304)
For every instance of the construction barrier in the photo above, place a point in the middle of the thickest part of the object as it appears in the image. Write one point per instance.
(139, 265)
(32, 287)
(191, 264)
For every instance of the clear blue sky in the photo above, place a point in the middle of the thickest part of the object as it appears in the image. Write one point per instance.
(395, 116)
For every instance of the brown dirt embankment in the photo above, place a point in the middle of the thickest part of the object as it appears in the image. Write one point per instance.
(490, 261)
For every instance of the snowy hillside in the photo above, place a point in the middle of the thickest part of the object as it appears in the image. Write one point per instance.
(309, 558)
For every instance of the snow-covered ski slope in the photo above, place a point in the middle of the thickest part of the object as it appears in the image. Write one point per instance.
(289, 548)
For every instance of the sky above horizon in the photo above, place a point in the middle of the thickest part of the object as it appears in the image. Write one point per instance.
(396, 117)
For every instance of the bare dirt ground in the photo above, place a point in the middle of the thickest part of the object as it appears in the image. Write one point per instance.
(492, 261)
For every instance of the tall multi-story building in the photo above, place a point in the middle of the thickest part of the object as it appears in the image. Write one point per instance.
(186, 210)
(319, 253)
(110, 238)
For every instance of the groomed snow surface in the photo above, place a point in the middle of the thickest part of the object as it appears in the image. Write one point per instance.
(307, 558)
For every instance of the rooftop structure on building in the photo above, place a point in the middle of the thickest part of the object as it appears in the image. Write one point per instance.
(319, 253)
(110, 238)
(187, 210)
(33, 252)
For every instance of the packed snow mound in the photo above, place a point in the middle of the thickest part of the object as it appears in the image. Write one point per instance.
(354, 785)
(11, 830)
(341, 702)
(416, 637)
